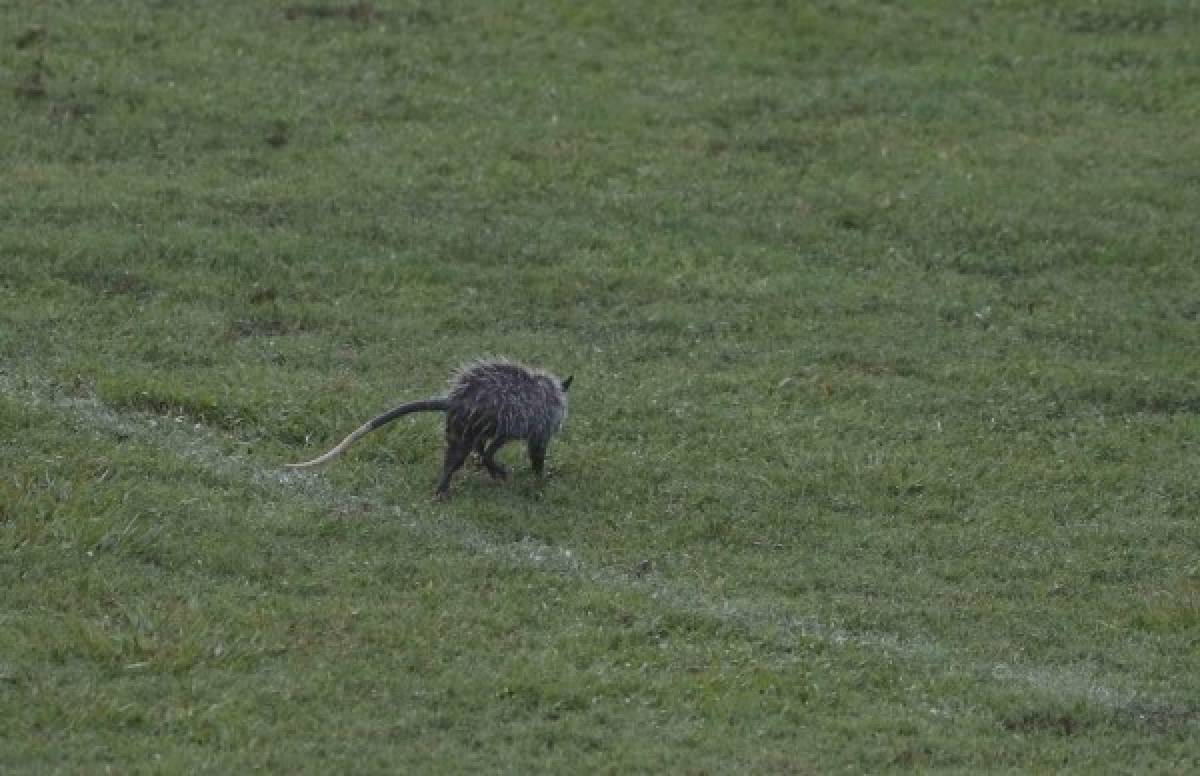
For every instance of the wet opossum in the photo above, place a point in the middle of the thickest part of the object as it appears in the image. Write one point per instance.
(490, 402)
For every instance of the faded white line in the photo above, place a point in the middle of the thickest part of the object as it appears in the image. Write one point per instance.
(200, 446)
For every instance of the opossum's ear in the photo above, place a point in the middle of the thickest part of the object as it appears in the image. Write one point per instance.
(566, 384)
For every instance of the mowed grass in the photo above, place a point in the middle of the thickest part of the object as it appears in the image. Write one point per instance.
(882, 452)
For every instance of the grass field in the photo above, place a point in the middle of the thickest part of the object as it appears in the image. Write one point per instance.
(884, 320)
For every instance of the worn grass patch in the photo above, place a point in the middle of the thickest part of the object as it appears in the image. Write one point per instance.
(881, 452)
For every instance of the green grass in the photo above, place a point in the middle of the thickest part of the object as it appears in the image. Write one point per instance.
(882, 451)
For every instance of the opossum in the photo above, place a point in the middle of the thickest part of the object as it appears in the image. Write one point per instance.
(490, 402)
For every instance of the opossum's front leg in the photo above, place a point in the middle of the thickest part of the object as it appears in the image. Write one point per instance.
(537, 455)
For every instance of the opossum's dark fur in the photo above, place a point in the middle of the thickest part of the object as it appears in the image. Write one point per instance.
(491, 402)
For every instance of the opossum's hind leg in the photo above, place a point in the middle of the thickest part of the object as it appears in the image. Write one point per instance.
(485, 460)
(457, 450)
(488, 456)
(537, 455)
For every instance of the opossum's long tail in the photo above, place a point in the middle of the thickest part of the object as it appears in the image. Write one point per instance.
(426, 405)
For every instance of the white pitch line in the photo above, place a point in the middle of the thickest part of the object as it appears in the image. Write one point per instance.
(199, 445)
